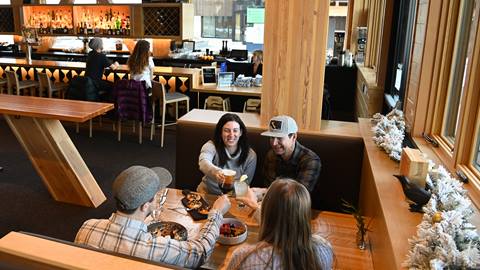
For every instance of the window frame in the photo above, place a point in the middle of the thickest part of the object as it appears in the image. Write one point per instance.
(460, 157)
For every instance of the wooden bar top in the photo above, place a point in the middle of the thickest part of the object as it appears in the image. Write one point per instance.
(229, 90)
(52, 108)
(328, 127)
(174, 71)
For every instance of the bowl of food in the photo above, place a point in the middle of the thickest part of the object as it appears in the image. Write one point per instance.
(168, 229)
(232, 232)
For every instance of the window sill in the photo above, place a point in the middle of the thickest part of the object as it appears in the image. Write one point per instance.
(473, 186)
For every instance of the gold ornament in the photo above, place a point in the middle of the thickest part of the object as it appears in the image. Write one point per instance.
(437, 217)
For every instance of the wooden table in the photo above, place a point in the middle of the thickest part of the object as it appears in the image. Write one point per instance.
(36, 123)
(227, 90)
(339, 229)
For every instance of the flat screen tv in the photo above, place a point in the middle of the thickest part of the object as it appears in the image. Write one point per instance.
(239, 55)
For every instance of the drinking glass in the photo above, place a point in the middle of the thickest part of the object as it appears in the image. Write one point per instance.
(158, 203)
(241, 189)
(227, 185)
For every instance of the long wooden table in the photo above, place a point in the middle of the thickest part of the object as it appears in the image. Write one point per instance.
(36, 123)
(339, 229)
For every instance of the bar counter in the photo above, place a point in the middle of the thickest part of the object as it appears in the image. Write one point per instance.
(175, 78)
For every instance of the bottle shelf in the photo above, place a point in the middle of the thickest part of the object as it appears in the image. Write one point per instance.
(159, 20)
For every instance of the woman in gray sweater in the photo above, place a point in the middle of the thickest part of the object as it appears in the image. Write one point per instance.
(228, 150)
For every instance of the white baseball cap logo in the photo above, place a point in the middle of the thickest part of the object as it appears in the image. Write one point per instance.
(276, 125)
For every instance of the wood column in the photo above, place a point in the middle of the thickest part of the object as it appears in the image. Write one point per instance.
(294, 60)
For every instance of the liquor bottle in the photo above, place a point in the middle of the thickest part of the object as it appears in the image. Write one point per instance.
(127, 26)
(117, 22)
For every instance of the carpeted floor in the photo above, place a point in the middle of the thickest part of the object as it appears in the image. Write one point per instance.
(25, 203)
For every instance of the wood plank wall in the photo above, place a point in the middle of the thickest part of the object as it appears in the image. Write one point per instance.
(294, 60)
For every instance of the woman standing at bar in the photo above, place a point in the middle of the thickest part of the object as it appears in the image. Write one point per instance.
(228, 150)
(257, 60)
(97, 61)
(285, 237)
(141, 63)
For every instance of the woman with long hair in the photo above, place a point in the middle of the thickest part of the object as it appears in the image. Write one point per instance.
(140, 63)
(228, 150)
(257, 60)
(285, 236)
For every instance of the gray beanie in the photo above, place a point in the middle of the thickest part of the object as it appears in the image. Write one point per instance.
(95, 43)
(138, 185)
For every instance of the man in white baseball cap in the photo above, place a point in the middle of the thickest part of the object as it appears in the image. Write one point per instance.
(288, 158)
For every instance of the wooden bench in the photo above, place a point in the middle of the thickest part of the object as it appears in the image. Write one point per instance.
(36, 123)
(29, 251)
(338, 144)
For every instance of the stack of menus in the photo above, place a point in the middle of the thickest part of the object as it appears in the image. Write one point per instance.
(225, 79)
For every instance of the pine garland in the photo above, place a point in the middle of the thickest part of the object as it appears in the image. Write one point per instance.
(389, 132)
(445, 238)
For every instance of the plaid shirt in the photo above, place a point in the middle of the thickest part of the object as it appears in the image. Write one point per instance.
(258, 256)
(304, 166)
(129, 236)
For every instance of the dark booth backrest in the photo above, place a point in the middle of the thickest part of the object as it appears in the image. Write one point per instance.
(341, 162)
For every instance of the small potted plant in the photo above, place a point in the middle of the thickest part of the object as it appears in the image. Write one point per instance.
(362, 228)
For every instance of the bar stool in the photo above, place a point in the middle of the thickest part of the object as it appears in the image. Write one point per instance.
(3, 83)
(159, 94)
(46, 84)
(217, 103)
(13, 82)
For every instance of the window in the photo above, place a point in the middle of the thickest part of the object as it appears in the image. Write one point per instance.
(448, 104)
(476, 152)
(458, 72)
(399, 58)
(217, 27)
(244, 17)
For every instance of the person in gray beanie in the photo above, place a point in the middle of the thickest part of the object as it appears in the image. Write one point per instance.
(126, 232)
(97, 61)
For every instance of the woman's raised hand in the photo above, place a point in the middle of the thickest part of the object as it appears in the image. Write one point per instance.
(250, 199)
(219, 176)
